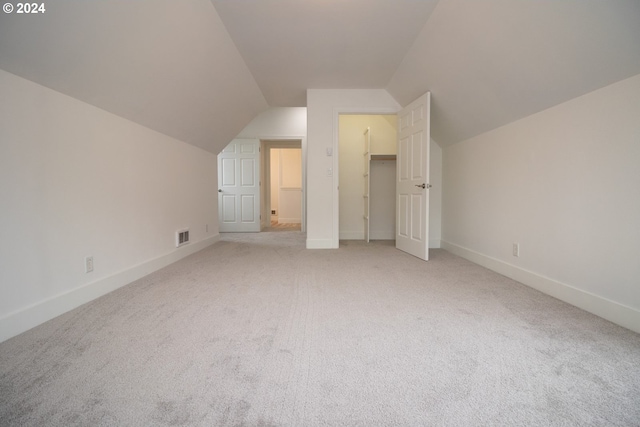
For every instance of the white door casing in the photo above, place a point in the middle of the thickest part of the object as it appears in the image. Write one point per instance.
(239, 186)
(412, 180)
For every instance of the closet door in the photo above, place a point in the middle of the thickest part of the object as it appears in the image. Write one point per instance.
(412, 185)
(367, 182)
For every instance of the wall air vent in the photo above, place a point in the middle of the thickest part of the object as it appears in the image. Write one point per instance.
(182, 237)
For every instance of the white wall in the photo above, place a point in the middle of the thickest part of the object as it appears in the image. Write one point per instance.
(565, 185)
(323, 108)
(382, 216)
(76, 181)
(277, 123)
(435, 194)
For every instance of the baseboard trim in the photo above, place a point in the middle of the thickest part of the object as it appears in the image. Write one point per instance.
(320, 244)
(382, 235)
(613, 311)
(29, 317)
(352, 235)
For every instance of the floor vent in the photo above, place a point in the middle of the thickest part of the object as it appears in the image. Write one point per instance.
(182, 237)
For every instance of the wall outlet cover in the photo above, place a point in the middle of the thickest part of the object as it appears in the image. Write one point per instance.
(88, 264)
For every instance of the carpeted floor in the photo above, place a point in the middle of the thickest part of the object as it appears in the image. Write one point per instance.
(277, 226)
(258, 331)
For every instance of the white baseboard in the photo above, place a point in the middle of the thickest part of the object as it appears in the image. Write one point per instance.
(382, 235)
(613, 311)
(29, 317)
(352, 235)
(374, 235)
(320, 244)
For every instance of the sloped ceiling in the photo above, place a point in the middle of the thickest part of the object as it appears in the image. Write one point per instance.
(200, 70)
(490, 62)
(165, 64)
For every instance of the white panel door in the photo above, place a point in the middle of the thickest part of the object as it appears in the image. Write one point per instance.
(412, 183)
(239, 186)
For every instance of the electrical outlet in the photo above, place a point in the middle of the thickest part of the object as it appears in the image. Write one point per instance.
(516, 249)
(88, 264)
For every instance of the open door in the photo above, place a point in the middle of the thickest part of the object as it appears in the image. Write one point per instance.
(239, 186)
(412, 187)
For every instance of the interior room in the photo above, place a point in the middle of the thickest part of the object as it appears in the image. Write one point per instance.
(124, 301)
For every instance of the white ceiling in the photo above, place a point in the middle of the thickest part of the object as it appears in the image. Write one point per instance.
(200, 70)
(292, 45)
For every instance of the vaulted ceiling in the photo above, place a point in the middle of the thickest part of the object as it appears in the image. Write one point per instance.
(200, 70)
(291, 45)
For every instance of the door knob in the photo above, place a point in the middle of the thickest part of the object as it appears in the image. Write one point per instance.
(219, 190)
(424, 185)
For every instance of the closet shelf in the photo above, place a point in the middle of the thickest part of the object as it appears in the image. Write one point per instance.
(383, 157)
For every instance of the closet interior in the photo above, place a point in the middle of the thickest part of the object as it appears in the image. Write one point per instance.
(367, 177)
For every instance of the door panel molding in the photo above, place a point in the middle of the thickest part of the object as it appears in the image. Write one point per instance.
(412, 189)
(239, 186)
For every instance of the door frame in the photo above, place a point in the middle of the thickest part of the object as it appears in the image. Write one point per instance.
(337, 112)
(266, 144)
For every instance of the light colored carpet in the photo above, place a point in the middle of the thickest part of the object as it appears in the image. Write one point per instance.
(277, 226)
(258, 331)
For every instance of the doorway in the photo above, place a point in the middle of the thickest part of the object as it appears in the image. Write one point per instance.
(283, 190)
(367, 175)
(412, 175)
(244, 184)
